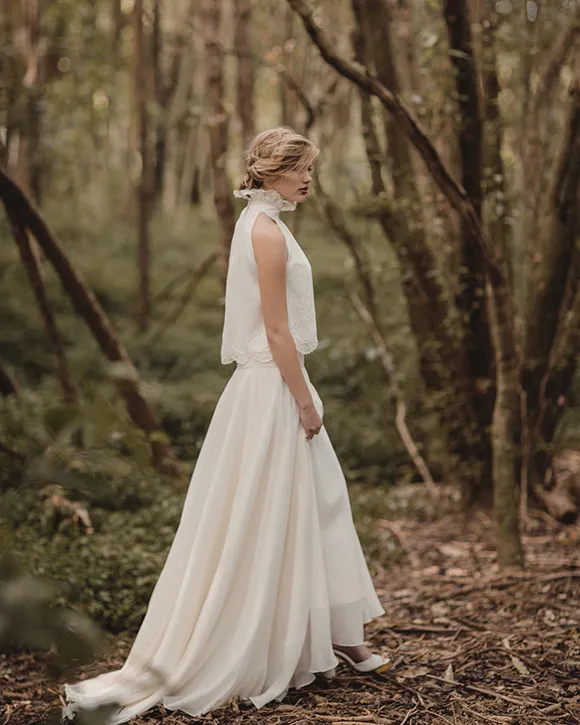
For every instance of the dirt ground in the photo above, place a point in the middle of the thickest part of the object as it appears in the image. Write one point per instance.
(470, 644)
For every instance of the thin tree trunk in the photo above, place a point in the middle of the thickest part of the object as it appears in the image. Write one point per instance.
(178, 104)
(190, 155)
(535, 141)
(30, 261)
(145, 190)
(506, 439)
(246, 70)
(159, 93)
(471, 298)
(549, 352)
(26, 45)
(218, 130)
(287, 97)
(22, 214)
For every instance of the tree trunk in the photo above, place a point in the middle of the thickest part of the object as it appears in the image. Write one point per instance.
(507, 406)
(177, 110)
(288, 98)
(431, 312)
(145, 184)
(30, 262)
(246, 70)
(552, 321)
(218, 130)
(535, 134)
(25, 26)
(22, 214)
(160, 94)
(471, 298)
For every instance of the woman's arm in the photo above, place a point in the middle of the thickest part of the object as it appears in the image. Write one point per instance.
(270, 254)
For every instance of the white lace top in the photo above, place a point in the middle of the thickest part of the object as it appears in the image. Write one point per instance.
(244, 334)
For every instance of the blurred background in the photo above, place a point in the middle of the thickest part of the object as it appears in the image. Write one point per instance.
(123, 125)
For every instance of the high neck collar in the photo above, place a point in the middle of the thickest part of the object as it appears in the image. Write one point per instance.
(268, 197)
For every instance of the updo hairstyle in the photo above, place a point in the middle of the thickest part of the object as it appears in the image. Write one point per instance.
(274, 152)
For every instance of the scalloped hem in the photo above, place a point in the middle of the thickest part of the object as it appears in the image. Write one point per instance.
(303, 349)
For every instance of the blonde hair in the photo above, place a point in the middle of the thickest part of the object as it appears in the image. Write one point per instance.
(274, 152)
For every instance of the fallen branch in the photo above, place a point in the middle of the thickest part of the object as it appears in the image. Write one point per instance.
(345, 719)
(573, 574)
(428, 629)
(397, 396)
(485, 691)
(408, 714)
(489, 718)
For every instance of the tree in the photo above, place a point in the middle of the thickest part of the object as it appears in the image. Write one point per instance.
(246, 73)
(505, 423)
(25, 218)
(143, 85)
(217, 125)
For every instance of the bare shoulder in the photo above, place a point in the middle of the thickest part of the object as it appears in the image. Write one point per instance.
(267, 238)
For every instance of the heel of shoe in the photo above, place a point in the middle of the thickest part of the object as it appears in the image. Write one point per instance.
(375, 663)
(329, 674)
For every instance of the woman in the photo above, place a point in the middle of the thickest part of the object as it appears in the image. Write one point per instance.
(265, 583)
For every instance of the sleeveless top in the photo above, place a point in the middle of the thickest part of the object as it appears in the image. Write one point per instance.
(244, 333)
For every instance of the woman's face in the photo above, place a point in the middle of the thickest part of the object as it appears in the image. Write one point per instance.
(292, 185)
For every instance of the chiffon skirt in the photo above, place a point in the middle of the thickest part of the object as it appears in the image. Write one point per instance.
(265, 571)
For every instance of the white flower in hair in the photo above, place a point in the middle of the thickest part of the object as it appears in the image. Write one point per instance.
(266, 196)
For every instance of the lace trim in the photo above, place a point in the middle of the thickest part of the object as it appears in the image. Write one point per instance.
(240, 357)
(268, 196)
(234, 353)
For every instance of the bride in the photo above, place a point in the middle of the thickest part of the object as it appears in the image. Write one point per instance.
(265, 583)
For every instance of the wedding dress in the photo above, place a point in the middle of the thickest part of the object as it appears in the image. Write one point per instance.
(266, 571)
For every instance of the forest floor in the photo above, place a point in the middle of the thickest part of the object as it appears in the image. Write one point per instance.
(470, 644)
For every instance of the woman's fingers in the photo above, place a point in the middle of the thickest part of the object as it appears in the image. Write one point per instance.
(314, 432)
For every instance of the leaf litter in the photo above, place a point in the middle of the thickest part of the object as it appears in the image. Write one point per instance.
(471, 644)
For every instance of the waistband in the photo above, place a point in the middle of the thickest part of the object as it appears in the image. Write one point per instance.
(252, 363)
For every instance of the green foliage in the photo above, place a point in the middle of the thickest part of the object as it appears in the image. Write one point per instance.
(91, 453)
(30, 617)
(110, 574)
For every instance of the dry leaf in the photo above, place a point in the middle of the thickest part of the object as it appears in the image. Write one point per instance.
(451, 551)
(449, 676)
(411, 672)
(519, 665)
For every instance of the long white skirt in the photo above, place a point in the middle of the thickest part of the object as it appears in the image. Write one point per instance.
(265, 571)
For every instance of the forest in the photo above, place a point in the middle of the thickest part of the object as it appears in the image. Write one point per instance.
(444, 237)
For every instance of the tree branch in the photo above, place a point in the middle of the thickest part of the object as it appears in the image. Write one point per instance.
(551, 71)
(359, 75)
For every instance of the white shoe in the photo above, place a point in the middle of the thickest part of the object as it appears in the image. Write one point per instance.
(374, 663)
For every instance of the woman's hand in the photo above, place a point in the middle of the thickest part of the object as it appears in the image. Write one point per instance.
(311, 420)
